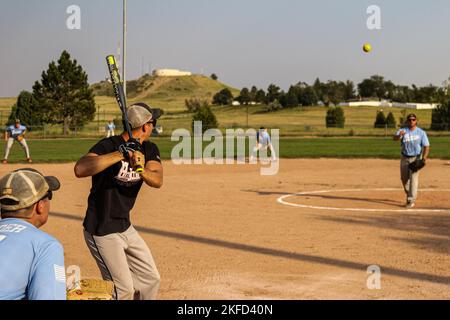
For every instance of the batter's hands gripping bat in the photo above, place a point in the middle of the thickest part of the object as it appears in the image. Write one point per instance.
(120, 97)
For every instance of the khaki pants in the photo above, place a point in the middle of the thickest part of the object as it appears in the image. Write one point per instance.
(9, 144)
(125, 259)
(410, 179)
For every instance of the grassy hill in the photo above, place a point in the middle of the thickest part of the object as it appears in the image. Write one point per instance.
(168, 93)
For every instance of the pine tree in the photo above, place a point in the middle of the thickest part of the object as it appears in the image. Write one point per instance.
(291, 99)
(390, 121)
(63, 96)
(24, 110)
(380, 121)
(335, 118)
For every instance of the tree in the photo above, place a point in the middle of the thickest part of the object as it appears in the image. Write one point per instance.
(318, 89)
(273, 93)
(348, 89)
(291, 100)
(207, 117)
(402, 94)
(380, 121)
(282, 99)
(335, 92)
(335, 118)
(274, 106)
(223, 97)
(308, 97)
(390, 121)
(253, 93)
(24, 109)
(374, 87)
(440, 117)
(63, 96)
(260, 96)
(194, 104)
(214, 77)
(428, 94)
(244, 97)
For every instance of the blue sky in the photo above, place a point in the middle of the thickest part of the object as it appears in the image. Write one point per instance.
(245, 42)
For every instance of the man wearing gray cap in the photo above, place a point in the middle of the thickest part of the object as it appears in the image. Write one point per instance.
(415, 145)
(121, 254)
(32, 262)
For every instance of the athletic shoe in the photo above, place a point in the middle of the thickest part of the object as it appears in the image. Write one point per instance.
(410, 205)
(29, 160)
(5, 161)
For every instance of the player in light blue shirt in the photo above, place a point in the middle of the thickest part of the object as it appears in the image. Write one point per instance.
(16, 132)
(31, 261)
(110, 127)
(415, 145)
(263, 142)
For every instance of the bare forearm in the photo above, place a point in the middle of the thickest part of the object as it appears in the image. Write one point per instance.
(153, 177)
(91, 165)
(426, 152)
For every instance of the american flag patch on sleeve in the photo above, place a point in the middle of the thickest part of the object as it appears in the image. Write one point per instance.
(60, 273)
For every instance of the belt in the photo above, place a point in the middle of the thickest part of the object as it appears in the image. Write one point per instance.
(406, 156)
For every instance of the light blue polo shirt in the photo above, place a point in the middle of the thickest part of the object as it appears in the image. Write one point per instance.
(264, 138)
(413, 141)
(15, 132)
(31, 263)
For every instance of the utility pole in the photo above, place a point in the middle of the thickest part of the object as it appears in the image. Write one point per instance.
(124, 47)
(247, 115)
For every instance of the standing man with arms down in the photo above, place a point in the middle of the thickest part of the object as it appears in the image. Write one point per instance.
(121, 254)
(415, 146)
(110, 127)
(32, 262)
(16, 132)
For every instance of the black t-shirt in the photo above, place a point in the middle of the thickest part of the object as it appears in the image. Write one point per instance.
(114, 190)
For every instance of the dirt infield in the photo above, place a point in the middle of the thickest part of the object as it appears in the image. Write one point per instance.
(218, 232)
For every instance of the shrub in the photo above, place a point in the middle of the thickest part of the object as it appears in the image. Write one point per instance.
(390, 121)
(380, 121)
(207, 117)
(194, 104)
(440, 117)
(335, 118)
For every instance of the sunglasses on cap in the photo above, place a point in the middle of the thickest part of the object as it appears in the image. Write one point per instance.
(48, 195)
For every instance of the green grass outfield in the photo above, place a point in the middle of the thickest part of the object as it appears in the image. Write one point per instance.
(68, 150)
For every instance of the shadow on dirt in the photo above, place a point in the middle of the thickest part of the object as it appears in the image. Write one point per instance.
(390, 202)
(434, 227)
(278, 253)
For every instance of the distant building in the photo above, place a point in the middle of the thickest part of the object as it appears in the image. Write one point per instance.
(387, 104)
(170, 73)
